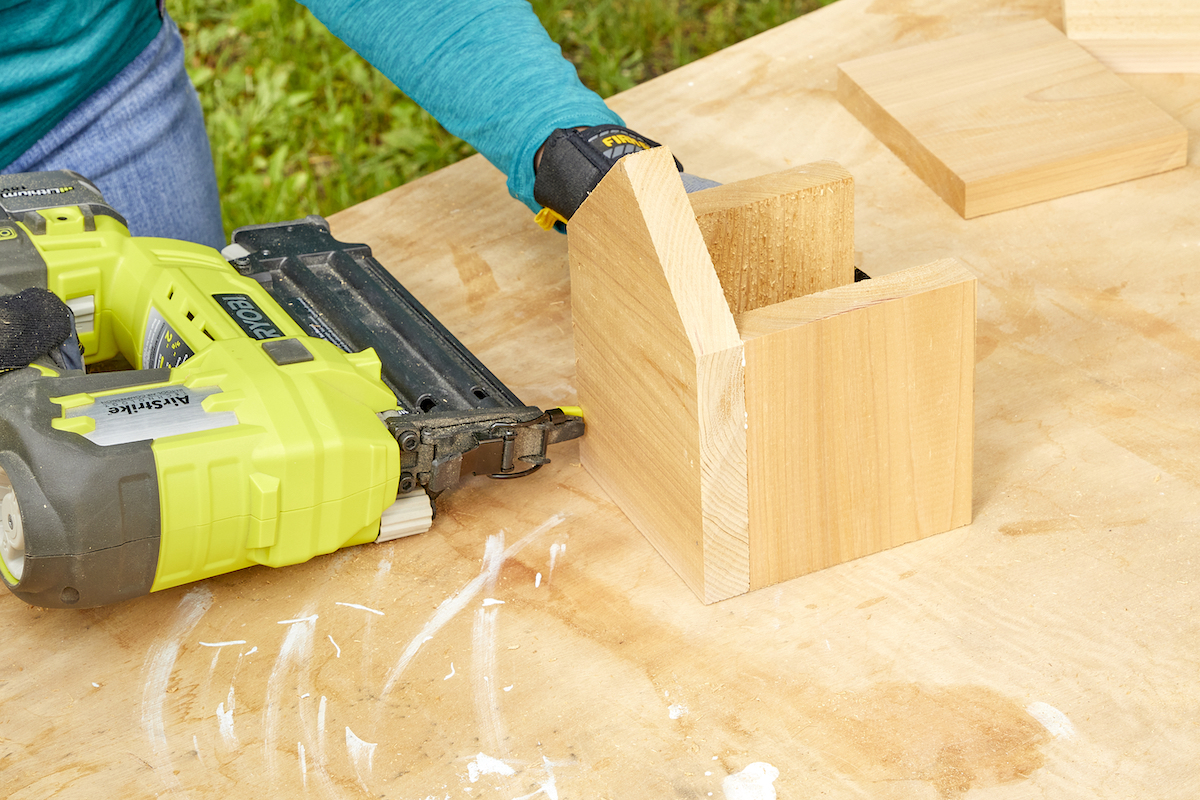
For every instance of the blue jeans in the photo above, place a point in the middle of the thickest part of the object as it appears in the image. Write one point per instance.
(141, 139)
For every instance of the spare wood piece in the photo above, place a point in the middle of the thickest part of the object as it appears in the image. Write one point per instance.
(811, 431)
(1137, 35)
(1008, 117)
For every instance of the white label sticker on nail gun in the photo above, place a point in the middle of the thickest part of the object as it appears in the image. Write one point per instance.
(152, 414)
(162, 345)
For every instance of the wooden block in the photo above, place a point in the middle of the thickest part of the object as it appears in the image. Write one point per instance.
(1137, 35)
(840, 427)
(867, 444)
(658, 368)
(1008, 117)
(780, 236)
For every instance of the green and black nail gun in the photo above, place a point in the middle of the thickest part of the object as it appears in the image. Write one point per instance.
(288, 398)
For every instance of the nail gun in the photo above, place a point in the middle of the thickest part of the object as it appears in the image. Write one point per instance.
(288, 398)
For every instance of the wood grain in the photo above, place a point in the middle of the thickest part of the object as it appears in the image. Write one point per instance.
(1137, 35)
(1008, 117)
(860, 417)
(658, 360)
(780, 235)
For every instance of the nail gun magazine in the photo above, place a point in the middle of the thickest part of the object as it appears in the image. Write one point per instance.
(287, 398)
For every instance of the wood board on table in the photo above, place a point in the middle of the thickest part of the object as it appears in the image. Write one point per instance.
(1137, 35)
(1009, 116)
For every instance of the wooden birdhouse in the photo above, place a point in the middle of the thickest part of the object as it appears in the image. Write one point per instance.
(753, 410)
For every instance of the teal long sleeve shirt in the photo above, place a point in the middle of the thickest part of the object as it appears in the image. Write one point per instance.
(485, 69)
(55, 53)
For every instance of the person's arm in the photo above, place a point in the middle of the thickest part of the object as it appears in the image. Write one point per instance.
(485, 69)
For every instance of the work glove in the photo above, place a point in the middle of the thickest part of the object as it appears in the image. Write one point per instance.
(574, 161)
(35, 324)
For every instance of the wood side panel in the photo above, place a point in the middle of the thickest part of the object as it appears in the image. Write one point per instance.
(1018, 114)
(1120, 19)
(1145, 55)
(781, 235)
(860, 411)
(659, 373)
(1090, 171)
(724, 483)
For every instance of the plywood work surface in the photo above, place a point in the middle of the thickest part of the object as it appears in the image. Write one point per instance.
(534, 645)
(1009, 116)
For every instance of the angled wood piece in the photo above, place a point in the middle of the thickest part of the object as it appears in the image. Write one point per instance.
(780, 236)
(659, 371)
(810, 432)
(859, 418)
(1137, 35)
(1008, 117)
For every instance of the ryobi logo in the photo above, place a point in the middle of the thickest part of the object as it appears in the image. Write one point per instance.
(252, 319)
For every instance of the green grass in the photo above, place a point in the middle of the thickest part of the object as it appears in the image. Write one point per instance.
(300, 124)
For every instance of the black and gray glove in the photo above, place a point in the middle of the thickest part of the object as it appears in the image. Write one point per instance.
(574, 161)
(34, 324)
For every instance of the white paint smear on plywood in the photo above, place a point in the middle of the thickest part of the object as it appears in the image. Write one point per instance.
(484, 764)
(1053, 720)
(755, 782)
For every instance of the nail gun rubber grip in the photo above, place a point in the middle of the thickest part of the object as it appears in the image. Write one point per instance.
(90, 514)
